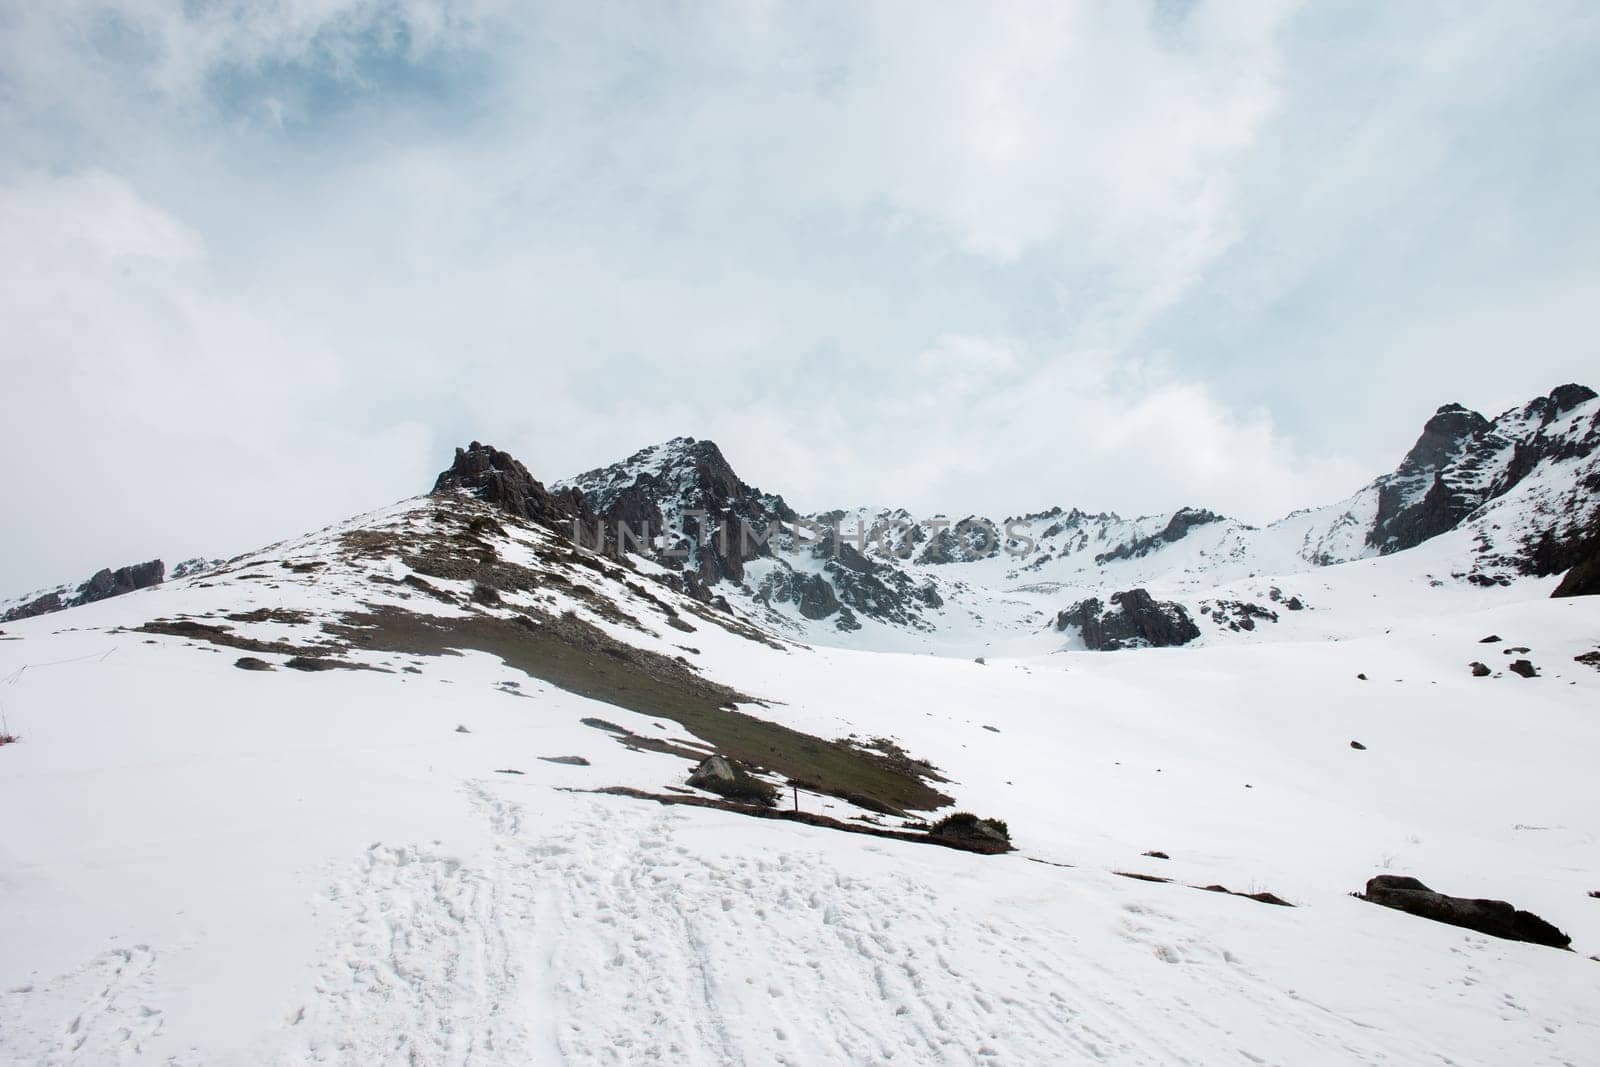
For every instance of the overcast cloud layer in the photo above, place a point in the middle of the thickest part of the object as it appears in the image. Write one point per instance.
(262, 265)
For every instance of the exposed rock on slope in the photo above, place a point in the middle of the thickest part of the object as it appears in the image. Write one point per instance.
(1584, 577)
(1415, 502)
(696, 513)
(1182, 521)
(499, 479)
(104, 584)
(1134, 620)
(1493, 917)
(1463, 461)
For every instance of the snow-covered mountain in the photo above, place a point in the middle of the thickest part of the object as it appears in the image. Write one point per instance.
(1517, 493)
(467, 781)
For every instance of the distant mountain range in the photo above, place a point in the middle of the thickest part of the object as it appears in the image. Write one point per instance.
(1500, 499)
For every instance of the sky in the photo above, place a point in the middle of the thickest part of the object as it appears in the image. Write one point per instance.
(263, 265)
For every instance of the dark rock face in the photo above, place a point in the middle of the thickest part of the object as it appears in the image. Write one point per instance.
(494, 476)
(685, 492)
(971, 539)
(1493, 917)
(1462, 461)
(103, 585)
(1406, 519)
(810, 593)
(1134, 619)
(1583, 579)
(1442, 436)
(1183, 520)
(878, 591)
(1480, 670)
(1524, 668)
(40, 606)
(109, 583)
(1239, 615)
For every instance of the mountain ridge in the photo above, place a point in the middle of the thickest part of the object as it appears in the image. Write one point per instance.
(1524, 484)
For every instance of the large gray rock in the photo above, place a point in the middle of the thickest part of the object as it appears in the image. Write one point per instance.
(724, 777)
(103, 585)
(1134, 619)
(1583, 577)
(109, 583)
(1493, 917)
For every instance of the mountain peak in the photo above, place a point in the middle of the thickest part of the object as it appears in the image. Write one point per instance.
(1442, 437)
(499, 478)
(1563, 398)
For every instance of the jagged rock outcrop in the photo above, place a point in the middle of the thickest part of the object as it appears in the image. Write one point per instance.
(1135, 619)
(1493, 917)
(1415, 502)
(1183, 520)
(811, 594)
(971, 539)
(109, 583)
(191, 567)
(1462, 461)
(498, 478)
(103, 585)
(1238, 615)
(1583, 577)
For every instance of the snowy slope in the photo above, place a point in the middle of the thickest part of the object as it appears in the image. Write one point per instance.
(205, 864)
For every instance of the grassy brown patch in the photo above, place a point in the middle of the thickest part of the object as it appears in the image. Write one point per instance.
(224, 636)
(580, 658)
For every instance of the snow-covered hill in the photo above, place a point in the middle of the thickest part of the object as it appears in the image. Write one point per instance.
(413, 789)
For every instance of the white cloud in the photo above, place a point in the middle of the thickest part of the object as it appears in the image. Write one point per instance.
(151, 416)
(267, 262)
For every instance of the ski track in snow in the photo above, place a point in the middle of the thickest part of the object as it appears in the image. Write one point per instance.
(613, 943)
(429, 955)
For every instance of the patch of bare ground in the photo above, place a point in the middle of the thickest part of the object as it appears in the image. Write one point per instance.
(577, 656)
(1262, 897)
(459, 547)
(282, 616)
(216, 634)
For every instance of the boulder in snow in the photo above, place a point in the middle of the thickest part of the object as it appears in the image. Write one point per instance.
(724, 777)
(1493, 917)
(1134, 619)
